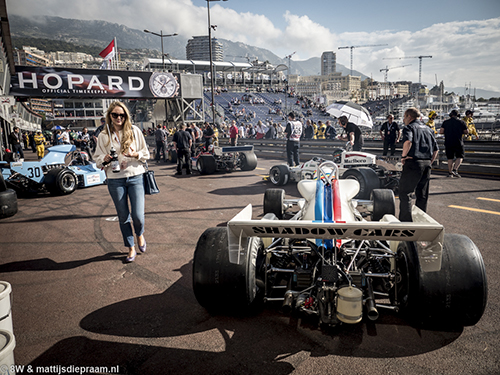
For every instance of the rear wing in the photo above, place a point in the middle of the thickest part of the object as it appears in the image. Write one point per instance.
(428, 233)
(244, 148)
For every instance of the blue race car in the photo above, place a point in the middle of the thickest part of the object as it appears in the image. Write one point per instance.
(60, 172)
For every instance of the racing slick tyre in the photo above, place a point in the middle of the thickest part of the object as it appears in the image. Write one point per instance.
(61, 181)
(172, 156)
(8, 203)
(219, 285)
(383, 203)
(273, 202)
(454, 295)
(248, 161)
(367, 178)
(206, 164)
(279, 175)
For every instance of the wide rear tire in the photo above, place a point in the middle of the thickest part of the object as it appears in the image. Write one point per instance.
(383, 203)
(455, 295)
(273, 202)
(206, 164)
(8, 203)
(367, 178)
(248, 161)
(221, 286)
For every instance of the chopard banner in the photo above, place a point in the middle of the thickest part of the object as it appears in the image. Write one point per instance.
(45, 82)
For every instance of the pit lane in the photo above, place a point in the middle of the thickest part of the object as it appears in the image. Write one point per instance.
(76, 303)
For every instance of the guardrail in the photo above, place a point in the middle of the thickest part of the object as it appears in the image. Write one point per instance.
(481, 157)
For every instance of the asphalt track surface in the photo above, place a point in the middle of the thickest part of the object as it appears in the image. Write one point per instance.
(76, 303)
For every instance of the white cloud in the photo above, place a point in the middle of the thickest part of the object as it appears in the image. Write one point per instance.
(461, 51)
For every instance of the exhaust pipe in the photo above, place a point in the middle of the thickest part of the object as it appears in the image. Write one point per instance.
(372, 311)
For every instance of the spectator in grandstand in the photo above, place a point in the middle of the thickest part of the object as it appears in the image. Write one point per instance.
(260, 130)
(469, 121)
(250, 131)
(308, 130)
(241, 131)
(352, 134)
(233, 133)
(430, 123)
(330, 132)
(279, 130)
(321, 130)
(271, 132)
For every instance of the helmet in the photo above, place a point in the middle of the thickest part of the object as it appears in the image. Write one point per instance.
(432, 113)
(337, 155)
(84, 156)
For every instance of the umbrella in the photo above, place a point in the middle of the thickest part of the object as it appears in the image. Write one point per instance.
(354, 112)
(57, 127)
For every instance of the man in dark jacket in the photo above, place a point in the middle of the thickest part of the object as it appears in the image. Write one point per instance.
(15, 139)
(160, 139)
(390, 135)
(420, 149)
(353, 133)
(453, 130)
(182, 143)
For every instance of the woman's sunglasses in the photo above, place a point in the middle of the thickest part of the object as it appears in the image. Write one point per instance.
(116, 115)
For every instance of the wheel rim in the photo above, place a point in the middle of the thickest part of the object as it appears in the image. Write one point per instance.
(68, 181)
(275, 175)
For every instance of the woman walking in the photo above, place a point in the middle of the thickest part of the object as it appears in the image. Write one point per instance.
(122, 151)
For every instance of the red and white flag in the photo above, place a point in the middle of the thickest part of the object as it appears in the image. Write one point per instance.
(109, 52)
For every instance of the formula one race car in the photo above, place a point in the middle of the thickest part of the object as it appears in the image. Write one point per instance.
(227, 158)
(336, 260)
(60, 172)
(370, 171)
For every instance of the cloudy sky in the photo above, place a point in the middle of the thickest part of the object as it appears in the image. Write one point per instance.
(462, 36)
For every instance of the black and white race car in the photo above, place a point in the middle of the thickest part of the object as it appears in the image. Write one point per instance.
(370, 171)
(335, 259)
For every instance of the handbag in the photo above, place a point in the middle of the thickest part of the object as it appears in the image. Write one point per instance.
(150, 185)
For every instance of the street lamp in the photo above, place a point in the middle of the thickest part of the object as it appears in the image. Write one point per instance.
(161, 35)
(211, 61)
(287, 81)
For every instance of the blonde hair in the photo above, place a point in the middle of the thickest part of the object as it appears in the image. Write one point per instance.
(127, 135)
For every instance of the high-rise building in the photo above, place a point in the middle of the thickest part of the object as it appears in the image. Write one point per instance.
(198, 49)
(328, 63)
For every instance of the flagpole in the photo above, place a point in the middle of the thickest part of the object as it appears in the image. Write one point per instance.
(116, 54)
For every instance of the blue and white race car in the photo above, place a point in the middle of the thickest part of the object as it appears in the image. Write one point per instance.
(60, 172)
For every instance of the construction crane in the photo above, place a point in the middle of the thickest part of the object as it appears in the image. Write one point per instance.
(366, 45)
(387, 69)
(413, 57)
(243, 57)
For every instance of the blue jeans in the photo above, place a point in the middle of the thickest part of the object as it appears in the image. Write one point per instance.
(132, 188)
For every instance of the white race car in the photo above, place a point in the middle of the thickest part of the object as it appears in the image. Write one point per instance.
(319, 257)
(370, 171)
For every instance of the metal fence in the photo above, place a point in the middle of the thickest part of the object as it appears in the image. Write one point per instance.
(481, 157)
